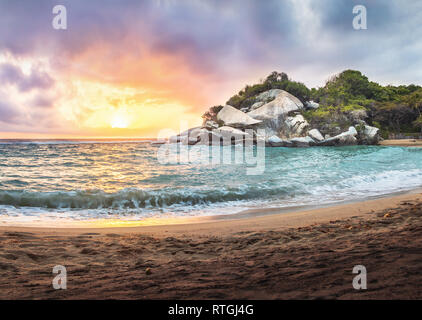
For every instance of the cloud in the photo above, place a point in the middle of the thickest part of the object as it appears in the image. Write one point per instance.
(13, 75)
(198, 53)
(8, 113)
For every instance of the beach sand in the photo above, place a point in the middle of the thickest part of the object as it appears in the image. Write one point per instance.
(297, 255)
(402, 143)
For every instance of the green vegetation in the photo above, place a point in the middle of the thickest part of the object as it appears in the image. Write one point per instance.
(346, 97)
(211, 114)
(246, 97)
(390, 108)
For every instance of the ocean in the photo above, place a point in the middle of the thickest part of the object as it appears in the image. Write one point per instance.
(60, 182)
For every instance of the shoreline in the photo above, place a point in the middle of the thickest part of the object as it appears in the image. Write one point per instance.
(402, 143)
(266, 218)
(297, 255)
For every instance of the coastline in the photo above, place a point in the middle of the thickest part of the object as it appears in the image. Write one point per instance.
(261, 257)
(402, 143)
(265, 218)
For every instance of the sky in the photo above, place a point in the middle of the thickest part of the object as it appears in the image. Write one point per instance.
(132, 68)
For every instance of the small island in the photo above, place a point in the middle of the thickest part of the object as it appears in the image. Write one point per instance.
(348, 110)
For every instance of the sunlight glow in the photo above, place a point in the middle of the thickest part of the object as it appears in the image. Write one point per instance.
(119, 121)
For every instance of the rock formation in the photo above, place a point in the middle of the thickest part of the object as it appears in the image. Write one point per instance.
(279, 118)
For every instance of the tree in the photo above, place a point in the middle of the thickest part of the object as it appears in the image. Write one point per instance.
(415, 101)
(211, 114)
(418, 123)
(276, 77)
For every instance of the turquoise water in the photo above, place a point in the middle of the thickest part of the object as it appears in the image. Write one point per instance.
(124, 180)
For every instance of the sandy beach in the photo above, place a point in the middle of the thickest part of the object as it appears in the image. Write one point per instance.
(402, 143)
(297, 255)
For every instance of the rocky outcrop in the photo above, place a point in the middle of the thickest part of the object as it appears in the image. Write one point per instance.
(281, 106)
(347, 138)
(274, 113)
(303, 142)
(210, 125)
(295, 126)
(276, 118)
(316, 135)
(275, 141)
(369, 135)
(232, 117)
(226, 130)
(178, 138)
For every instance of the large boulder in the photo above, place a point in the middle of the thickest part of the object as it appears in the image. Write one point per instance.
(210, 125)
(316, 135)
(282, 104)
(269, 95)
(262, 99)
(295, 126)
(369, 135)
(209, 138)
(228, 132)
(232, 117)
(256, 105)
(275, 141)
(303, 142)
(178, 138)
(188, 140)
(274, 113)
(347, 138)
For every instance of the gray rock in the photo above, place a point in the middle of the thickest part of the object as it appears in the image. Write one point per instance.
(186, 132)
(283, 103)
(188, 140)
(178, 138)
(352, 131)
(232, 117)
(302, 142)
(295, 126)
(210, 125)
(274, 113)
(209, 138)
(275, 141)
(316, 135)
(175, 139)
(347, 138)
(268, 95)
(370, 135)
(234, 135)
(232, 132)
(158, 142)
(311, 105)
(256, 105)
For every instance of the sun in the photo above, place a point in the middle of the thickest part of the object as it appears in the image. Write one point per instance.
(119, 121)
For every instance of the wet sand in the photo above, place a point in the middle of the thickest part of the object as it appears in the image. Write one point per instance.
(296, 255)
